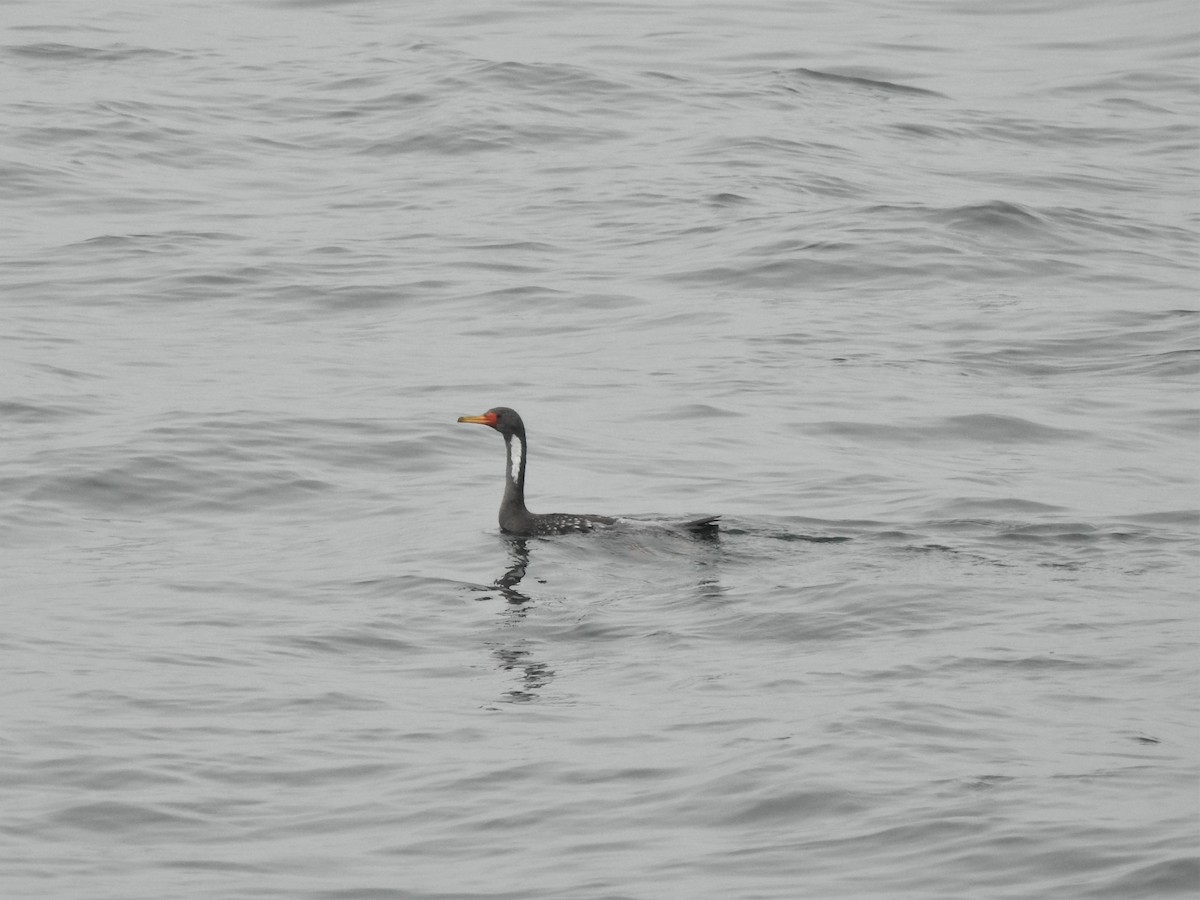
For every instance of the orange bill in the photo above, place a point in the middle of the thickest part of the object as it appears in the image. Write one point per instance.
(488, 418)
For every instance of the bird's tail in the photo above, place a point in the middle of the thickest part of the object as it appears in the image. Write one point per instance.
(705, 525)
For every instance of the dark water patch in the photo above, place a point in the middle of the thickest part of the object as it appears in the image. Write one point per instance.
(572, 81)
(1184, 519)
(524, 296)
(59, 52)
(794, 78)
(920, 549)
(55, 135)
(1065, 532)
(1131, 231)
(397, 893)
(982, 428)
(516, 247)
(729, 200)
(355, 84)
(148, 483)
(996, 217)
(698, 411)
(1176, 877)
(789, 537)
(995, 429)
(318, 4)
(820, 617)
(937, 132)
(995, 509)
(507, 267)
(352, 643)
(217, 865)
(14, 411)
(1116, 349)
(789, 246)
(99, 772)
(460, 140)
(598, 632)
(1129, 104)
(198, 660)
(360, 297)
(248, 439)
(1037, 663)
(986, 225)
(312, 776)
(756, 151)
(32, 181)
(1015, 542)
(1169, 364)
(792, 808)
(149, 243)
(810, 271)
(1040, 133)
(1006, 430)
(1158, 81)
(393, 587)
(984, 782)
(109, 816)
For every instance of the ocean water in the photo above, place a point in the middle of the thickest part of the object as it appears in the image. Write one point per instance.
(908, 292)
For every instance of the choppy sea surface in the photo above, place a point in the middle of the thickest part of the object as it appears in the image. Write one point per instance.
(907, 291)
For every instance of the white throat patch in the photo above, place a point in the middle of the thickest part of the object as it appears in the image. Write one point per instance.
(516, 453)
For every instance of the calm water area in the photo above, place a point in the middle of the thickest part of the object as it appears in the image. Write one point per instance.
(907, 291)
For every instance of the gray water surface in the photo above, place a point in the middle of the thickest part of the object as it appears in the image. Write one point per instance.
(906, 292)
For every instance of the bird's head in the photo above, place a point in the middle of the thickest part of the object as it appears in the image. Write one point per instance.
(504, 420)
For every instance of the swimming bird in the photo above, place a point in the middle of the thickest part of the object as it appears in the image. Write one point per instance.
(514, 517)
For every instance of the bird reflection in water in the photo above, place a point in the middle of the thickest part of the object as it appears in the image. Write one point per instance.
(518, 562)
(513, 654)
(534, 675)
